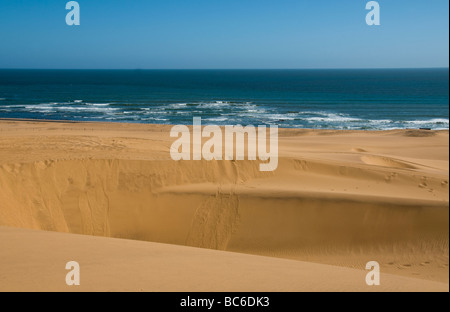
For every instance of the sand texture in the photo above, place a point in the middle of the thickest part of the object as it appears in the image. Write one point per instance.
(338, 200)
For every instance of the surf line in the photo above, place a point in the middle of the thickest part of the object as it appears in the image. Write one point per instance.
(213, 148)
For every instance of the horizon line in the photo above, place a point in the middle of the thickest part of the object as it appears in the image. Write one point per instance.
(205, 69)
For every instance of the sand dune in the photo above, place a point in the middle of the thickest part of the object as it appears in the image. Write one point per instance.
(339, 198)
(122, 265)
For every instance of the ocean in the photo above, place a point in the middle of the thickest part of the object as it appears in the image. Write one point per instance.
(319, 99)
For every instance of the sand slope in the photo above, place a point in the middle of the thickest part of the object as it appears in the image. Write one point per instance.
(339, 198)
(121, 265)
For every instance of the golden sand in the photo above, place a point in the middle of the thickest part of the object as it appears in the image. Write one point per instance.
(338, 200)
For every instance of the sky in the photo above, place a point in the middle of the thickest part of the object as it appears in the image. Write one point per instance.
(223, 34)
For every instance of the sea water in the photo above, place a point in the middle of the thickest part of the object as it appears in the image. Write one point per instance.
(319, 99)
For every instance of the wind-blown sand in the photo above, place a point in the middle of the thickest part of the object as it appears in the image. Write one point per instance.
(338, 200)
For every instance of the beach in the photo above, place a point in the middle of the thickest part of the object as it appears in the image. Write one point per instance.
(109, 196)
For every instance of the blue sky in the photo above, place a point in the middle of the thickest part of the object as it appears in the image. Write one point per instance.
(223, 34)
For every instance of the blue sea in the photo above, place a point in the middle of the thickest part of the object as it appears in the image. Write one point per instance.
(319, 99)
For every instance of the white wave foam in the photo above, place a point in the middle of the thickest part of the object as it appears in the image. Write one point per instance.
(381, 121)
(85, 109)
(215, 105)
(251, 108)
(333, 118)
(98, 104)
(38, 107)
(178, 105)
(278, 117)
(317, 113)
(429, 121)
(218, 119)
(13, 106)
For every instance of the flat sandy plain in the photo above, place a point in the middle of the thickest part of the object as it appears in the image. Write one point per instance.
(110, 197)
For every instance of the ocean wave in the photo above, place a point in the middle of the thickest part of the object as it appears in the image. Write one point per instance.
(178, 105)
(279, 117)
(218, 119)
(99, 104)
(438, 121)
(38, 107)
(217, 112)
(12, 106)
(381, 121)
(333, 118)
(52, 108)
(85, 109)
(215, 105)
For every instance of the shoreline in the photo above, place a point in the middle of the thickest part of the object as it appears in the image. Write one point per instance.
(190, 125)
